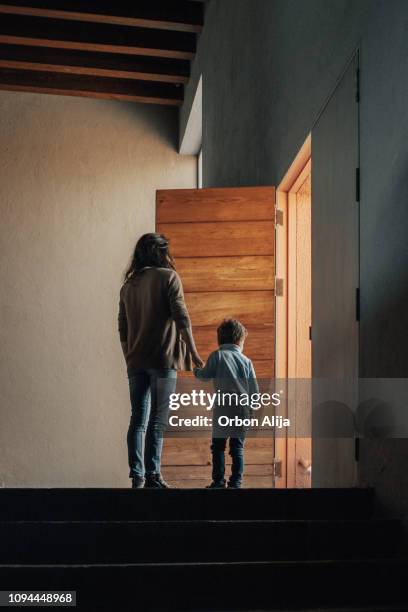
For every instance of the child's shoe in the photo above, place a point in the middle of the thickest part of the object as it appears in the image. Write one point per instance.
(217, 485)
(234, 485)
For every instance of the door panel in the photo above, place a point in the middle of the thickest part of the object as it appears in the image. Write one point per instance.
(259, 344)
(335, 264)
(192, 469)
(241, 204)
(221, 239)
(180, 455)
(248, 306)
(253, 273)
(223, 244)
(264, 368)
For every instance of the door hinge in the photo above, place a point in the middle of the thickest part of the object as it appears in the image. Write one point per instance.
(278, 216)
(310, 332)
(279, 287)
(357, 449)
(358, 304)
(277, 468)
(358, 85)
(357, 184)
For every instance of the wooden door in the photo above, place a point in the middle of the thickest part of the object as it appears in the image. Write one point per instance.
(223, 244)
(335, 266)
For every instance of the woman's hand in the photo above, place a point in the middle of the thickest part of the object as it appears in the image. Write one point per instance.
(187, 336)
(198, 362)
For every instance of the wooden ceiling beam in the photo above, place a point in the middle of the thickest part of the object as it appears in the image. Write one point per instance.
(182, 15)
(58, 34)
(97, 87)
(63, 61)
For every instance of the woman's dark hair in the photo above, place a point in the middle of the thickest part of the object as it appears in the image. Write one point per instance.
(231, 331)
(151, 250)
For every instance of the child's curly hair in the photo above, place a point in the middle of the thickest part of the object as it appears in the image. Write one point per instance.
(231, 331)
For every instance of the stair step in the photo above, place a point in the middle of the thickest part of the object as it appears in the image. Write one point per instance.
(179, 504)
(351, 608)
(198, 586)
(185, 550)
(370, 608)
(193, 541)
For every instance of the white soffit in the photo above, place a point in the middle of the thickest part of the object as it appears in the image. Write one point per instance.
(192, 139)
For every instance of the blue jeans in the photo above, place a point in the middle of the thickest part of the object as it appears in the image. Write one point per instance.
(236, 450)
(150, 410)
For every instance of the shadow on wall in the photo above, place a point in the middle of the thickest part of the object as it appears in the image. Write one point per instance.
(161, 121)
(384, 288)
(383, 463)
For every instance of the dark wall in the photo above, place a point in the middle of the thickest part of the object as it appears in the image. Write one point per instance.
(268, 67)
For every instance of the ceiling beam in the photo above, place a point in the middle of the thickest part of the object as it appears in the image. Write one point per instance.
(182, 15)
(117, 66)
(58, 34)
(97, 87)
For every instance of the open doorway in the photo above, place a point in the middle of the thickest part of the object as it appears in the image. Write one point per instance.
(294, 313)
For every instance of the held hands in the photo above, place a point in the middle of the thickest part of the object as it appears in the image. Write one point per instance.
(198, 362)
(187, 336)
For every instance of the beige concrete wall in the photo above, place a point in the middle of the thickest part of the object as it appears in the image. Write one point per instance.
(77, 188)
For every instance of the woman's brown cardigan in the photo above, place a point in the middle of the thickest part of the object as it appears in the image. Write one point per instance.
(152, 312)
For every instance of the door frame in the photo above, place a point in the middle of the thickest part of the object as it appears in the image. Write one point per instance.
(284, 445)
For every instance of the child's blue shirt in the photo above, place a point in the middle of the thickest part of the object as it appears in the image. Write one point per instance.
(229, 367)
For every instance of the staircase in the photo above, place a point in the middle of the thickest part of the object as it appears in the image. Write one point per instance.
(250, 549)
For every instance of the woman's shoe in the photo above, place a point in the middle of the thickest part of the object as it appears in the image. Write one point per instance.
(138, 482)
(155, 481)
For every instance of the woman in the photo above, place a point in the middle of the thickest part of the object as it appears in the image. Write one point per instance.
(156, 337)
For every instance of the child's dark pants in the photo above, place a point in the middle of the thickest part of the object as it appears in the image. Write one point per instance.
(236, 450)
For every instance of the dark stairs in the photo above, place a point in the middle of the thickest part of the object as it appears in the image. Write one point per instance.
(250, 549)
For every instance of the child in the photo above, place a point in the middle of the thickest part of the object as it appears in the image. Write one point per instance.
(231, 371)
